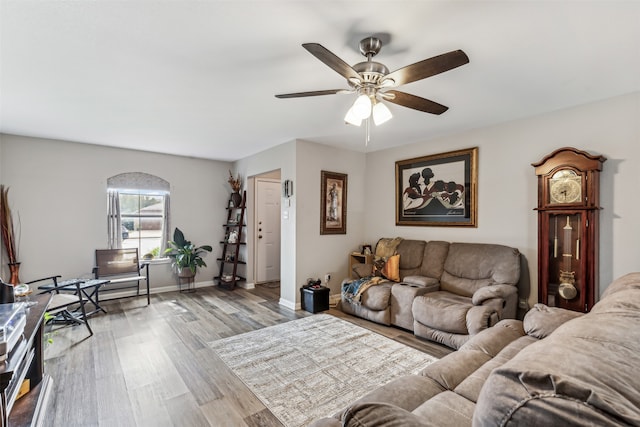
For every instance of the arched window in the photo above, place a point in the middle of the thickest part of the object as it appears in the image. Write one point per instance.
(138, 212)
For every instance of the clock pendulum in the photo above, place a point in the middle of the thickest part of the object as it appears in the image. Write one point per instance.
(567, 289)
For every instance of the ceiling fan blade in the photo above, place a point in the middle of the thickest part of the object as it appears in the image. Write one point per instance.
(428, 67)
(313, 93)
(330, 59)
(415, 102)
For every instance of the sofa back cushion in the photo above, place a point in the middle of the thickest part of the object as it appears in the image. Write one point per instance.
(435, 254)
(411, 253)
(470, 266)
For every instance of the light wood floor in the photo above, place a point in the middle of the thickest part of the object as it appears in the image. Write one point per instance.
(151, 366)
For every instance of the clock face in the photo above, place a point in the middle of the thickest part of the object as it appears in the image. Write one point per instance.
(565, 187)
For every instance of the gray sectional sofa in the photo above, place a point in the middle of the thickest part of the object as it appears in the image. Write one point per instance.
(555, 368)
(447, 292)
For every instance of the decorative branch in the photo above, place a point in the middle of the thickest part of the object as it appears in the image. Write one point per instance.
(236, 183)
(6, 225)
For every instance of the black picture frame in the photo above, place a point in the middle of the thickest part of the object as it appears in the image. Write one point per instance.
(438, 190)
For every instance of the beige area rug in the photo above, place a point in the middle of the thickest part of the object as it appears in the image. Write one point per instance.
(312, 367)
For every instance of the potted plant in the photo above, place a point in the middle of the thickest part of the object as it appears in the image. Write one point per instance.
(186, 256)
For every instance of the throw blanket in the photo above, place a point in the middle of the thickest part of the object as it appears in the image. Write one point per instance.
(353, 291)
(387, 247)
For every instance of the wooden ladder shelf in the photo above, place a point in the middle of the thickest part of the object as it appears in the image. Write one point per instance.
(228, 277)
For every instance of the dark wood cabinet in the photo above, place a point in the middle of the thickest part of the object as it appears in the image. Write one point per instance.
(26, 362)
(568, 228)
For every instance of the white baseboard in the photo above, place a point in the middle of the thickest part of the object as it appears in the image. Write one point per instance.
(172, 288)
(288, 304)
(154, 290)
(247, 285)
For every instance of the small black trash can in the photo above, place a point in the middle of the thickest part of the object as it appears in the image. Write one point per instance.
(314, 299)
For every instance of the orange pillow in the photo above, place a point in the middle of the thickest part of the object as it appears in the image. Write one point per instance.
(391, 269)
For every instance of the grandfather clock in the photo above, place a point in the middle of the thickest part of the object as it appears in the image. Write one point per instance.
(568, 216)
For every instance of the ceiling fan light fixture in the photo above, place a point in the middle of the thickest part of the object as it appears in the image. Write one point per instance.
(351, 118)
(381, 114)
(362, 107)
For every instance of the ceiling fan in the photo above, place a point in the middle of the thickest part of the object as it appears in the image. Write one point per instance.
(373, 83)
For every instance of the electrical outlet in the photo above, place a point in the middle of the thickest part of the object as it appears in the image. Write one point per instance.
(327, 278)
(523, 304)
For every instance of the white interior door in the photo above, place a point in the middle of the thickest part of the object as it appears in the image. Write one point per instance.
(267, 230)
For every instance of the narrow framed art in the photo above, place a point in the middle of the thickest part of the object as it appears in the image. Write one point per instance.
(333, 203)
(438, 190)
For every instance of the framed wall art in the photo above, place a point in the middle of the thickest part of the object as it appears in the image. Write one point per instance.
(438, 190)
(333, 203)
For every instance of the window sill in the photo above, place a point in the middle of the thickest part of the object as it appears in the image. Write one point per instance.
(165, 260)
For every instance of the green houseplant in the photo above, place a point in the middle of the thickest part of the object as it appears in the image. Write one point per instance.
(186, 256)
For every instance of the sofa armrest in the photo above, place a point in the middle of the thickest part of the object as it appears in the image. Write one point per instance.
(481, 317)
(486, 293)
(541, 320)
(429, 283)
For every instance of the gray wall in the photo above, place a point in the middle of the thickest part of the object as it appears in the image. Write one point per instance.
(507, 191)
(58, 190)
(507, 184)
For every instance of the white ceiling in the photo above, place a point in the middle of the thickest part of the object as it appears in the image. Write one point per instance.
(198, 78)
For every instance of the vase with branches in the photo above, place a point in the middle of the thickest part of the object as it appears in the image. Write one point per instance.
(9, 235)
(236, 185)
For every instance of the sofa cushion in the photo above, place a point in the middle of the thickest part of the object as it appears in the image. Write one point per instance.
(446, 409)
(470, 266)
(623, 283)
(450, 371)
(411, 253)
(406, 392)
(472, 385)
(443, 311)
(377, 297)
(435, 254)
(491, 341)
(461, 285)
(541, 320)
(381, 415)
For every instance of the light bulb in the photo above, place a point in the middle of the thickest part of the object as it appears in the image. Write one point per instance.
(352, 119)
(381, 114)
(362, 107)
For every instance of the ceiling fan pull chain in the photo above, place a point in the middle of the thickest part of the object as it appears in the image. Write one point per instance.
(368, 132)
